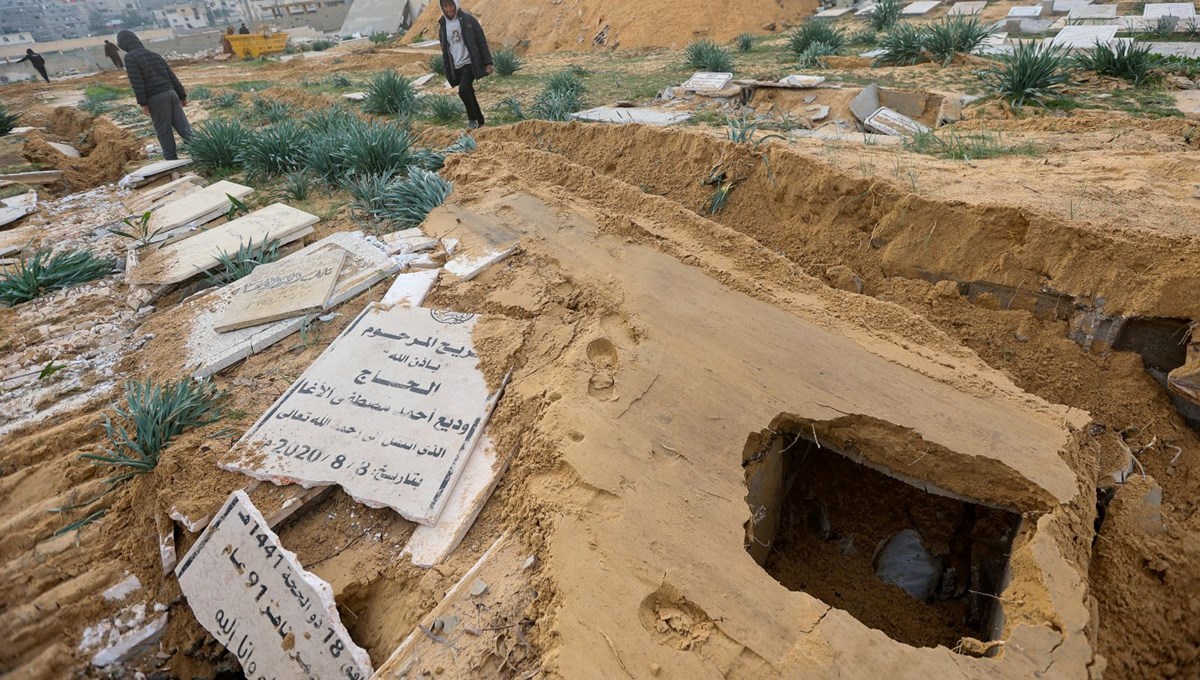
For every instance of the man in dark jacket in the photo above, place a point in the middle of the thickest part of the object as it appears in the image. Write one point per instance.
(111, 51)
(465, 56)
(242, 30)
(35, 60)
(157, 90)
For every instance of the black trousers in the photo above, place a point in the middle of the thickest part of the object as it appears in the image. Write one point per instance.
(167, 114)
(466, 92)
(42, 70)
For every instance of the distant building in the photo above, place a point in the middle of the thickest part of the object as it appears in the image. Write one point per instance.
(15, 39)
(183, 17)
(227, 12)
(44, 20)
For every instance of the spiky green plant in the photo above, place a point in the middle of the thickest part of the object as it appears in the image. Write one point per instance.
(339, 81)
(506, 62)
(409, 200)
(329, 119)
(948, 143)
(566, 81)
(380, 37)
(94, 106)
(226, 100)
(238, 264)
(954, 35)
(513, 106)
(1163, 27)
(436, 65)
(555, 105)
(445, 108)
(8, 121)
(325, 156)
(885, 14)
(275, 150)
(742, 131)
(428, 159)
(1128, 60)
(464, 144)
(199, 93)
(45, 273)
(296, 186)
(1031, 73)
(106, 93)
(375, 148)
(866, 36)
(813, 55)
(272, 110)
(902, 46)
(153, 415)
(321, 45)
(216, 143)
(137, 229)
(391, 94)
(368, 192)
(744, 42)
(706, 55)
(815, 31)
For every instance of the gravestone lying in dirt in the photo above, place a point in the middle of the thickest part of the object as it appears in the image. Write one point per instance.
(1092, 13)
(390, 411)
(1084, 37)
(206, 351)
(282, 290)
(704, 80)
(889, 122)
(195, 209)
(1155, 10)
(16, 207)
(151, 172)
(182, 260)
(1025, 11)
(967, 8)
(260, 603)
(645, 116)
(918, 8)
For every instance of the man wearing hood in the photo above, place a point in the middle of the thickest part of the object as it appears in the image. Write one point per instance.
(36, 61)
(465, 56)
(158, 92)
(111, 51)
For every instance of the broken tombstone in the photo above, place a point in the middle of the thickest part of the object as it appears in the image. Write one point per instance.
(282, 290)
(889, 122)
(705, 80)
(259, 602)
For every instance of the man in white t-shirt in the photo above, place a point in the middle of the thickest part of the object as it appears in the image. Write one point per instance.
(465, 56)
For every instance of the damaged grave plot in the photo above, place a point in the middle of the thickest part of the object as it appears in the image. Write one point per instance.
(282, 290)
(149, 173)
(257, 600)
(194, 209)
(390, 412)
(632, 114)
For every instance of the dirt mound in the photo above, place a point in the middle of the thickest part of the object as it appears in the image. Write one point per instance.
(578, 25)
(104, 148)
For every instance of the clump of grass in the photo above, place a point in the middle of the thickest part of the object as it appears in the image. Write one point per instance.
(742, 131)
(226, 100)
(216, 143)
(1163, 27)
(199, 93)
(296, 185)
(506, 62)
(409, 200)
(947, 143)
(815, 31)
(560, 97)
(328, 119)
(380, 37)
(391, 94)
(744, 42)
(1128, 60)
(428, 159)
(885, 15)
(445, 108)
(8, 121)
(812, 56)
(275, 150)
(436, 65)
(272, 110)
(152, 416)
(368, 192)
(94, 106)
(106, 93)
(1031, 73)
(238, 264)
(339, 81)
(376, 148)
(902, 46)
(866, 36)
(513, 106)
(137, 229)
(706, 55)
(321, 45)
(45, 273)
(954, 35)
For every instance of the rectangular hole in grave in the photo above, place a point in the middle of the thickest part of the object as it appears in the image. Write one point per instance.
(830, 527)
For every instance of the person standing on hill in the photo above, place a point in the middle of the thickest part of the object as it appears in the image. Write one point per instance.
(36, 61)
(242, 30)
(158, 92)
(465, 56)
(111, 51)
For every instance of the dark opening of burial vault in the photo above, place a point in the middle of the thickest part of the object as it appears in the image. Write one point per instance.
(923, 568)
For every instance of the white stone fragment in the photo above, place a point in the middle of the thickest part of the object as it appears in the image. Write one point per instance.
(122, 589)
(467, 268)
(410, 288)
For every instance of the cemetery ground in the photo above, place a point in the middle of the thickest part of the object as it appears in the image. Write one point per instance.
(988, 312)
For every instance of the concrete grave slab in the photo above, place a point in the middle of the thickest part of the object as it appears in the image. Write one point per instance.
(260, 603)
(430, 546)
(187, 258)
(1025, 11)
(1092, 13)
(65, 149)
(423, 80)
(1064, 6)
(195, 209)
(866, 102)
(1155, 10)
(919, 8)
(967, 9)
(1182, 49)
(390, 412)
(154, 198)
(866, 10)
(209, 352)
(355, 96)
(801, 81)
(411, 288)
(705, 80)
(1023, 26)
(16, 207)
(633, 114)
(148, 173)
(35, 177)
(889, 122)
(282, 290)
(1084, 37)
(833, 12)
(466, 267)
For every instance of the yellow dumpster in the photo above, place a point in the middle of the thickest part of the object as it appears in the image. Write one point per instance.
(251, 45)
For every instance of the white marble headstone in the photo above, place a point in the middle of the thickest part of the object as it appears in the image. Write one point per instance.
(1084, 37)
(704, 80)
